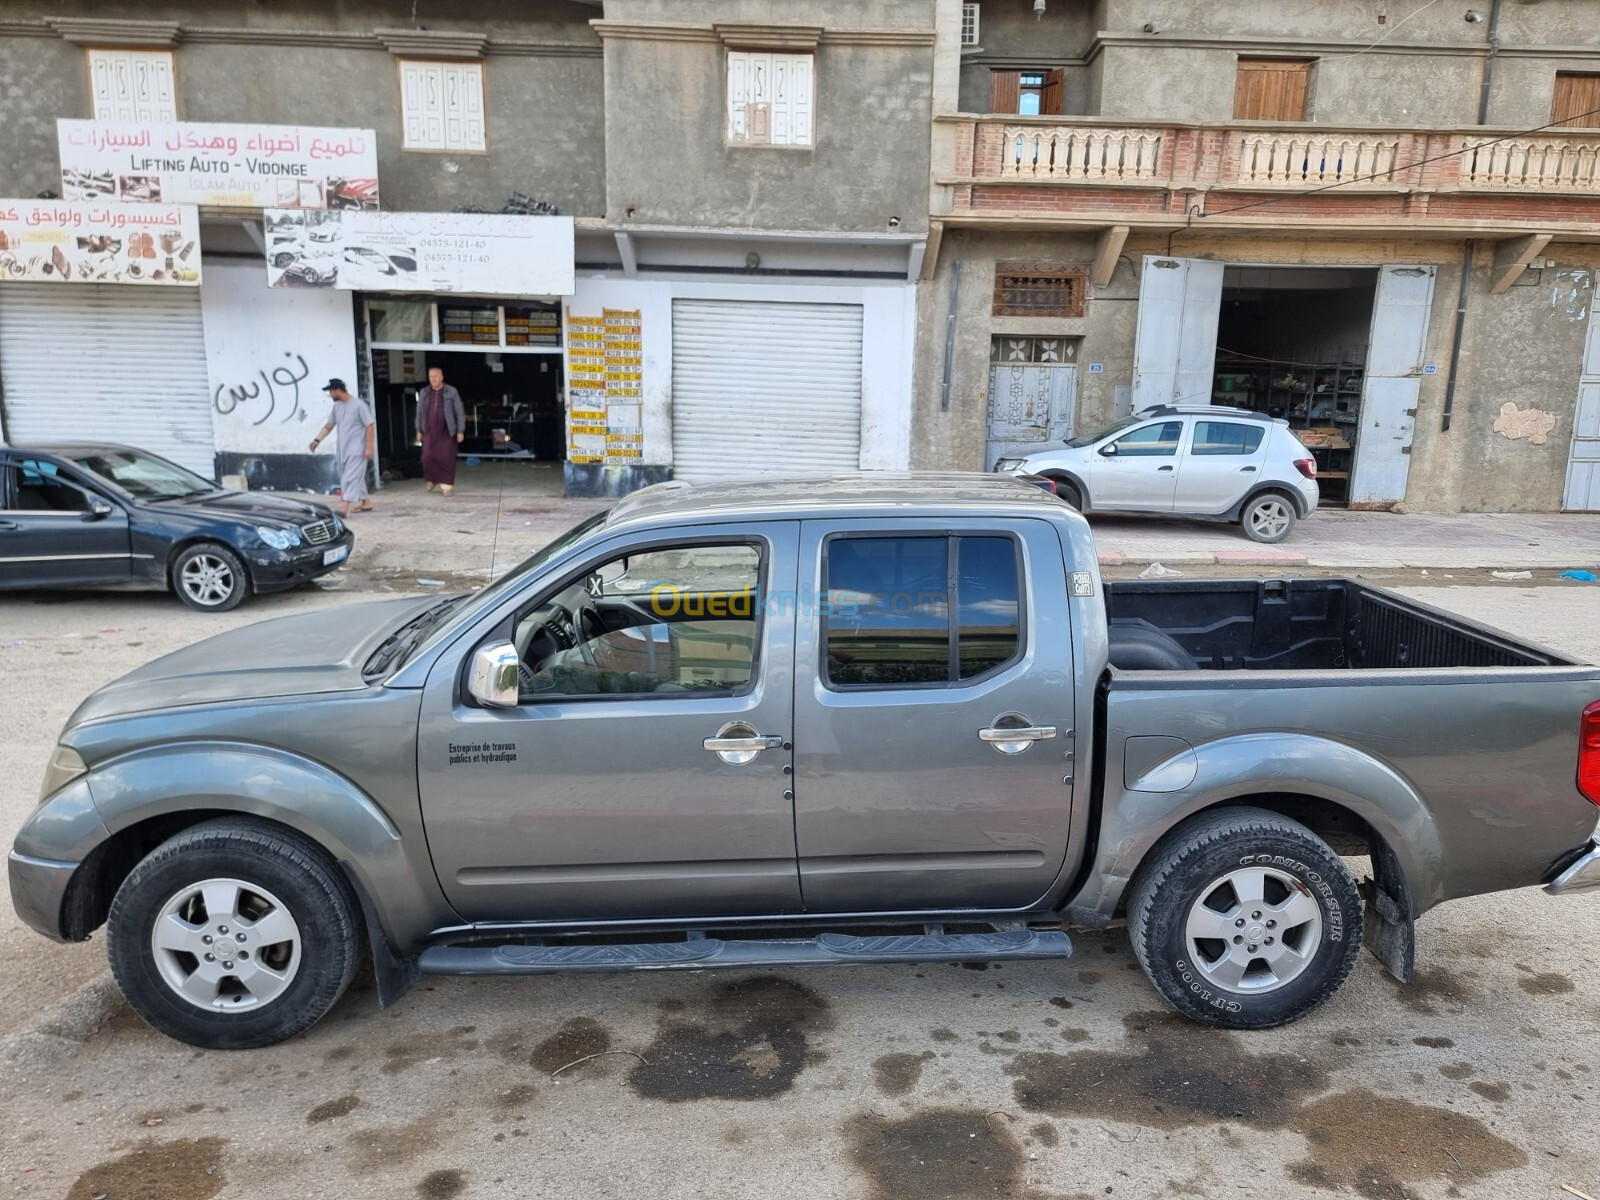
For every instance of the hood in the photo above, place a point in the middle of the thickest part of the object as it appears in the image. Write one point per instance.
(288, 656)
(248, 506)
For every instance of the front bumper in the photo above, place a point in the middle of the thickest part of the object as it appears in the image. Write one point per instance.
(38, 889)
(1582, 874)
(274, 570)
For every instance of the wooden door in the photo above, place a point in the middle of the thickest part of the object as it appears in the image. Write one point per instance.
(1005, 91)
(1271, 89)
(1050, 97)
(1577, 101)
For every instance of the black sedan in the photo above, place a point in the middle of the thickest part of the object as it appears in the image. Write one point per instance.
(89, 515)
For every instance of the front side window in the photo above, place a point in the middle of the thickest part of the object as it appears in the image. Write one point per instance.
(1226, 437)
(1150, 441)
(441, 106)
(38, 487)
(770, 98)
(678, 621)
(919, 611)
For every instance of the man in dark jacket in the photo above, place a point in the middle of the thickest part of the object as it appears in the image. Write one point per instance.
(441, 424)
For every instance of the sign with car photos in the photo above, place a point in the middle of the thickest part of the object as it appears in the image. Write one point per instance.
(479, 254)
(56, 241)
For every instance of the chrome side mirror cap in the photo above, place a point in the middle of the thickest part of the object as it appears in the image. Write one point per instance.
(492, 679)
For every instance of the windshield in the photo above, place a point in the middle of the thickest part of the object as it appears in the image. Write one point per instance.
(144, 476)
(468, 612)
(1105, 431)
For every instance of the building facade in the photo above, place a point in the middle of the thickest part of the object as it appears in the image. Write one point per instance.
(739, 243)
(1379, 221)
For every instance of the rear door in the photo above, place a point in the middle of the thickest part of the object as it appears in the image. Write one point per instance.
(54, 532)
(1139, 470)
(927, 636)
(1222, 461)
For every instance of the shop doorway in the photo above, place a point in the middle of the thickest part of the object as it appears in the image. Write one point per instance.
(1293, 342)
(505, 360)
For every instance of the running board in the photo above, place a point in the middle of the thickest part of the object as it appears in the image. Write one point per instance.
(702, 953)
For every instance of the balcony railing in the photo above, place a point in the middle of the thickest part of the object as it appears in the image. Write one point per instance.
(1269, 157)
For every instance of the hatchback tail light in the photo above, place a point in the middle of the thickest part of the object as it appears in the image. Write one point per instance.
(1306, 467)
(1589, 753)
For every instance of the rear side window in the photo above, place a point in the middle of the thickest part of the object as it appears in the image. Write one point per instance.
(919, 611)
(1151, 441)
(1226, 437)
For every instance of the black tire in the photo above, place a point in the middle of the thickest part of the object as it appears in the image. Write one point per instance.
(283, 865)
(1067, 491)
(1189, 866)
(1269, 518)
(282, 260)
(188, 570)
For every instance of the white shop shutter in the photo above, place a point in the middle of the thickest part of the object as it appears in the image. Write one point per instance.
(764, 389)
(103, 362)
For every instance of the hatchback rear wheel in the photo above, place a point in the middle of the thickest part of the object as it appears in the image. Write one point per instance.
(1268, 518)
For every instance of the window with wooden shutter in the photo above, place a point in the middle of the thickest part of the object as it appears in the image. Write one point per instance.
(1271, 89)
(133, 85)
(770, 98)
(1005, 91)
(1027, 93)
(1577, 101)
(441, 106)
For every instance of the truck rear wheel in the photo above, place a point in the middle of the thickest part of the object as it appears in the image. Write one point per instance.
(1245, 919)
(233, 934)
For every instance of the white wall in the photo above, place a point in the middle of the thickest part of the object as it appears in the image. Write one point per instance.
(888, 330)
(268, 353)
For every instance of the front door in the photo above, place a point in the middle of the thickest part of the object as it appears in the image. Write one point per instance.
(54, 532)
(1138, 471)
(1222, 461)
(1032, 396)
(927, 634)
(597, 796)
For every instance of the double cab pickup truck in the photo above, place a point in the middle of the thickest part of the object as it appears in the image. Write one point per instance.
(863, 720)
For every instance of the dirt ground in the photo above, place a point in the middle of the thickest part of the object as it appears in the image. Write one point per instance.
(1041, 1081)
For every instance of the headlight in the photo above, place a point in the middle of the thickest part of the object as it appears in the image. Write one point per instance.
(65, 766)
(1009, 465)
(278, 539)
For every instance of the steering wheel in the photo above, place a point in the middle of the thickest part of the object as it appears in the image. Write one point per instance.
(590, 624)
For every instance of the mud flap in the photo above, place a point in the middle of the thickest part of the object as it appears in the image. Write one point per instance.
(394, 976)
(1388, 930)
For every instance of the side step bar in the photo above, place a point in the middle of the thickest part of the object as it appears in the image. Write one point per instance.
(703, 953)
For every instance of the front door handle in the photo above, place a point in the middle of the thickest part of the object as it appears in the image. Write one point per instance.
(1246, 469)
(9, 527)
(1014, 739)
(1167, 468)
(737, 743)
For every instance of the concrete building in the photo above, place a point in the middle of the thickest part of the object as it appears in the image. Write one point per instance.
(743, 190)
(1381, 221)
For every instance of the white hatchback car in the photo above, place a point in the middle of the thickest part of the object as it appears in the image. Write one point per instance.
(1202, 461)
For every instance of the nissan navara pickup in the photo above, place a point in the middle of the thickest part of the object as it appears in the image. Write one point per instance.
(863, 720)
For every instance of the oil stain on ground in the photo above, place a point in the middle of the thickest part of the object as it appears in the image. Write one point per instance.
(329, 1109)
(1181, 1075)
(1375, 1145)
(1548, 983)
(752, 1043)
(940, 1154)
(386, 1146)
(578, 1039)
(402, 1056)
(897, 1074)
(441, 1185)
(1430, 991)
(184, 1170)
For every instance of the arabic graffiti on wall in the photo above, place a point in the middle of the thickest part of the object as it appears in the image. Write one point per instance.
(250, 166)
(268, 354)
(57, 241)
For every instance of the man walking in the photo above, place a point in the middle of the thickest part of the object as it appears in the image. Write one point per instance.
(352, 417)
(441, 424)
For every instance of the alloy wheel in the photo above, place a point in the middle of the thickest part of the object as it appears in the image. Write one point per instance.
(207, 579)
(1270, 518)
(1253, 930)
(225, 945)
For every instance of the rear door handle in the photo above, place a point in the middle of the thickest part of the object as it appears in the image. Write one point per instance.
(1247, 468)
(9, 527)
(1163, 468)
(1015, 739)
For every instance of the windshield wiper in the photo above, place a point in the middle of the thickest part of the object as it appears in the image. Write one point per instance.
(398, 645)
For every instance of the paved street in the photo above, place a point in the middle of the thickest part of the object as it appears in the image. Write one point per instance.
(1041, 1080)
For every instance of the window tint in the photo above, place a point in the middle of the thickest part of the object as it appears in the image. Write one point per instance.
(37, 488)
(887, 612)
(1226, 437)
(661, 622)
(1151, 441)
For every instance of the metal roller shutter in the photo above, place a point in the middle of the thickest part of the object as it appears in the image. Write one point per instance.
(99, 362)
(764, 388)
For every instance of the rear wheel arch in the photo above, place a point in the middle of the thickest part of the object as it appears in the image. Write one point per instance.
(1298, 502)
(1066, 478)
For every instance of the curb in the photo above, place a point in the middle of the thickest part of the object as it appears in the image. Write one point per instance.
(60, 1030)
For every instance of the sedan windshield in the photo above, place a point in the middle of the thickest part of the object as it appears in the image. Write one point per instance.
(1105, 431)
(144, 476)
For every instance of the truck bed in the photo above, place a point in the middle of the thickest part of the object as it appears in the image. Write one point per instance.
(1296, 624)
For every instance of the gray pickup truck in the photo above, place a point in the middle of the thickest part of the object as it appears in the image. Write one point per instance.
(859, 721)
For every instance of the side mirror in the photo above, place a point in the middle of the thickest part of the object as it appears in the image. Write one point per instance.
(492, 680)
(99, 510)
(1109, 450)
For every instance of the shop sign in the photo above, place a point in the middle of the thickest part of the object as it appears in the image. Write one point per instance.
(605, 392)
(236, 166)
(57, 241)
(478, 254)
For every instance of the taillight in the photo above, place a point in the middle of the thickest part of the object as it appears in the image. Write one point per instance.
(1306, 467)
(1589, 753)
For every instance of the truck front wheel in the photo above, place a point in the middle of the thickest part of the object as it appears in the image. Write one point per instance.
(1245, 919)
(233, 934)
